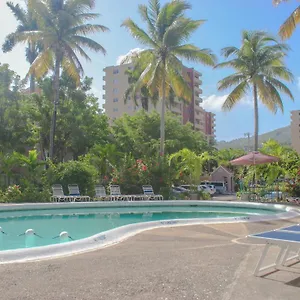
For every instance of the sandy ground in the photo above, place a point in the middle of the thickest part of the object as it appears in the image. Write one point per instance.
(192, 262)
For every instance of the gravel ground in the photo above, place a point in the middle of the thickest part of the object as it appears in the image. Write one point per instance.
(192, 262)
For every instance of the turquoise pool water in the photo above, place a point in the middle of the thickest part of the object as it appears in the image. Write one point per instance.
(85, 222)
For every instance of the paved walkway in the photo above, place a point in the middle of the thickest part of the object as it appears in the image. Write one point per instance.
(192, 262)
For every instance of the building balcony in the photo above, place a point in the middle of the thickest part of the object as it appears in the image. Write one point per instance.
(198, 91)
(104, 78)
(176, 108)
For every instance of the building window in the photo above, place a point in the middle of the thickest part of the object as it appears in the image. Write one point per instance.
(115, 90)
(116, 71)
(130, 68)
(115, 81)
(129, 107)
(115, 109)
(116, 99)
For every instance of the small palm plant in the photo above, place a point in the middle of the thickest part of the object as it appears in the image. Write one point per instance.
(259, 66)
(168, 30)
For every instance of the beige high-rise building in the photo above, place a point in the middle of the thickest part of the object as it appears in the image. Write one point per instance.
(295, 129)
(116, 84)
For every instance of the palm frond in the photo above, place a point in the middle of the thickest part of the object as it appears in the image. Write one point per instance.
(19, 13)
(179, 85)
(231, 80)
(68, 64)
(193, 53)
(235, 96)
(276, 98)
(227, 51)
(138, 33)
(89, 43)
(9, 43)
(42, 64)
(281, 86)
(265, 94)
(180, 31)
(171, 12)
(289, 26)
(86, 29)
(143, 10)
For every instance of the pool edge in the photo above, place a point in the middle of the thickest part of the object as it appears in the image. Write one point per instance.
(117, 235)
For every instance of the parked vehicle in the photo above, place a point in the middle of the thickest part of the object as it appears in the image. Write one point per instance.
(179, 189)
(210, 189)
(219, 186)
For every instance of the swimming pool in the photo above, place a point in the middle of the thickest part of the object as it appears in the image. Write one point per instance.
(66, 225)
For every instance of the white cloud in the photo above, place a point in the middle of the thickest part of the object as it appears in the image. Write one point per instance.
(132, 52)
(214, 103)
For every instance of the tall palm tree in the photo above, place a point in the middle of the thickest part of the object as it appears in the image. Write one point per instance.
(167, 31)
(259, 67)
(26, 23)
(289, 26)
(62, 31)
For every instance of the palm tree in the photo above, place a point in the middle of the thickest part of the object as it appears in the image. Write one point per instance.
(289, 26)
(167, 31)
(62, 31)
(26, 23)
(145, 96)
(259, 66)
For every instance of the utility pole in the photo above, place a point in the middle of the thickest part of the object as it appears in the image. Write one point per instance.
(247, 135)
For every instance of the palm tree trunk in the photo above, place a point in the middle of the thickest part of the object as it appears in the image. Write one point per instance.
(255, 117)
(55, 104)
(162, 117)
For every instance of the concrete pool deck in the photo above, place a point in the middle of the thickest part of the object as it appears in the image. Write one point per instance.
(191, 262)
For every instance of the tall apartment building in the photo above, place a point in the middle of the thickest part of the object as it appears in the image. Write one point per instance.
(295, 129)
(116, 83)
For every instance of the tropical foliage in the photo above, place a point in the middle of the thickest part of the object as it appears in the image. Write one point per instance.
(159, 66)
(26, 23)
(61, 31)
(259, 65)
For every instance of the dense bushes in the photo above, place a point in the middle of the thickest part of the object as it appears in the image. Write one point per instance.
(73, 172)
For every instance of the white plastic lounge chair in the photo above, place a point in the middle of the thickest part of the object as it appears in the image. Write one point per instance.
(100, 193)
(149, 193)
(287, 239)
(75, 193)
(58, 194)
(115, 193)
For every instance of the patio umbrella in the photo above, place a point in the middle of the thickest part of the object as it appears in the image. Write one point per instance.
(254, 158)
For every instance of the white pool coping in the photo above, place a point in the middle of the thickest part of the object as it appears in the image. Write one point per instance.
(113, 236)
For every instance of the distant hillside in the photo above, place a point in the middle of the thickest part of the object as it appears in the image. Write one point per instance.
(282, 135)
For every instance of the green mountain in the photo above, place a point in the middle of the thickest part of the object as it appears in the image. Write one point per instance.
(282, 135)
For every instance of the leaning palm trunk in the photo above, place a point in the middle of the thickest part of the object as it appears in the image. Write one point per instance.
(55, 104)
(255, 117)
(162, 117)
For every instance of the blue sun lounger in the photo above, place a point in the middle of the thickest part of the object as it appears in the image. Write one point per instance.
(287, 239)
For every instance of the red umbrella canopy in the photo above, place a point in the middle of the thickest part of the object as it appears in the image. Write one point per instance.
(254, 158)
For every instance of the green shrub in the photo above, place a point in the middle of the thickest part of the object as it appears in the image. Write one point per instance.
(73, 172)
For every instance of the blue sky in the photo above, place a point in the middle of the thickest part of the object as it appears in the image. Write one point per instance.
(225, 21)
